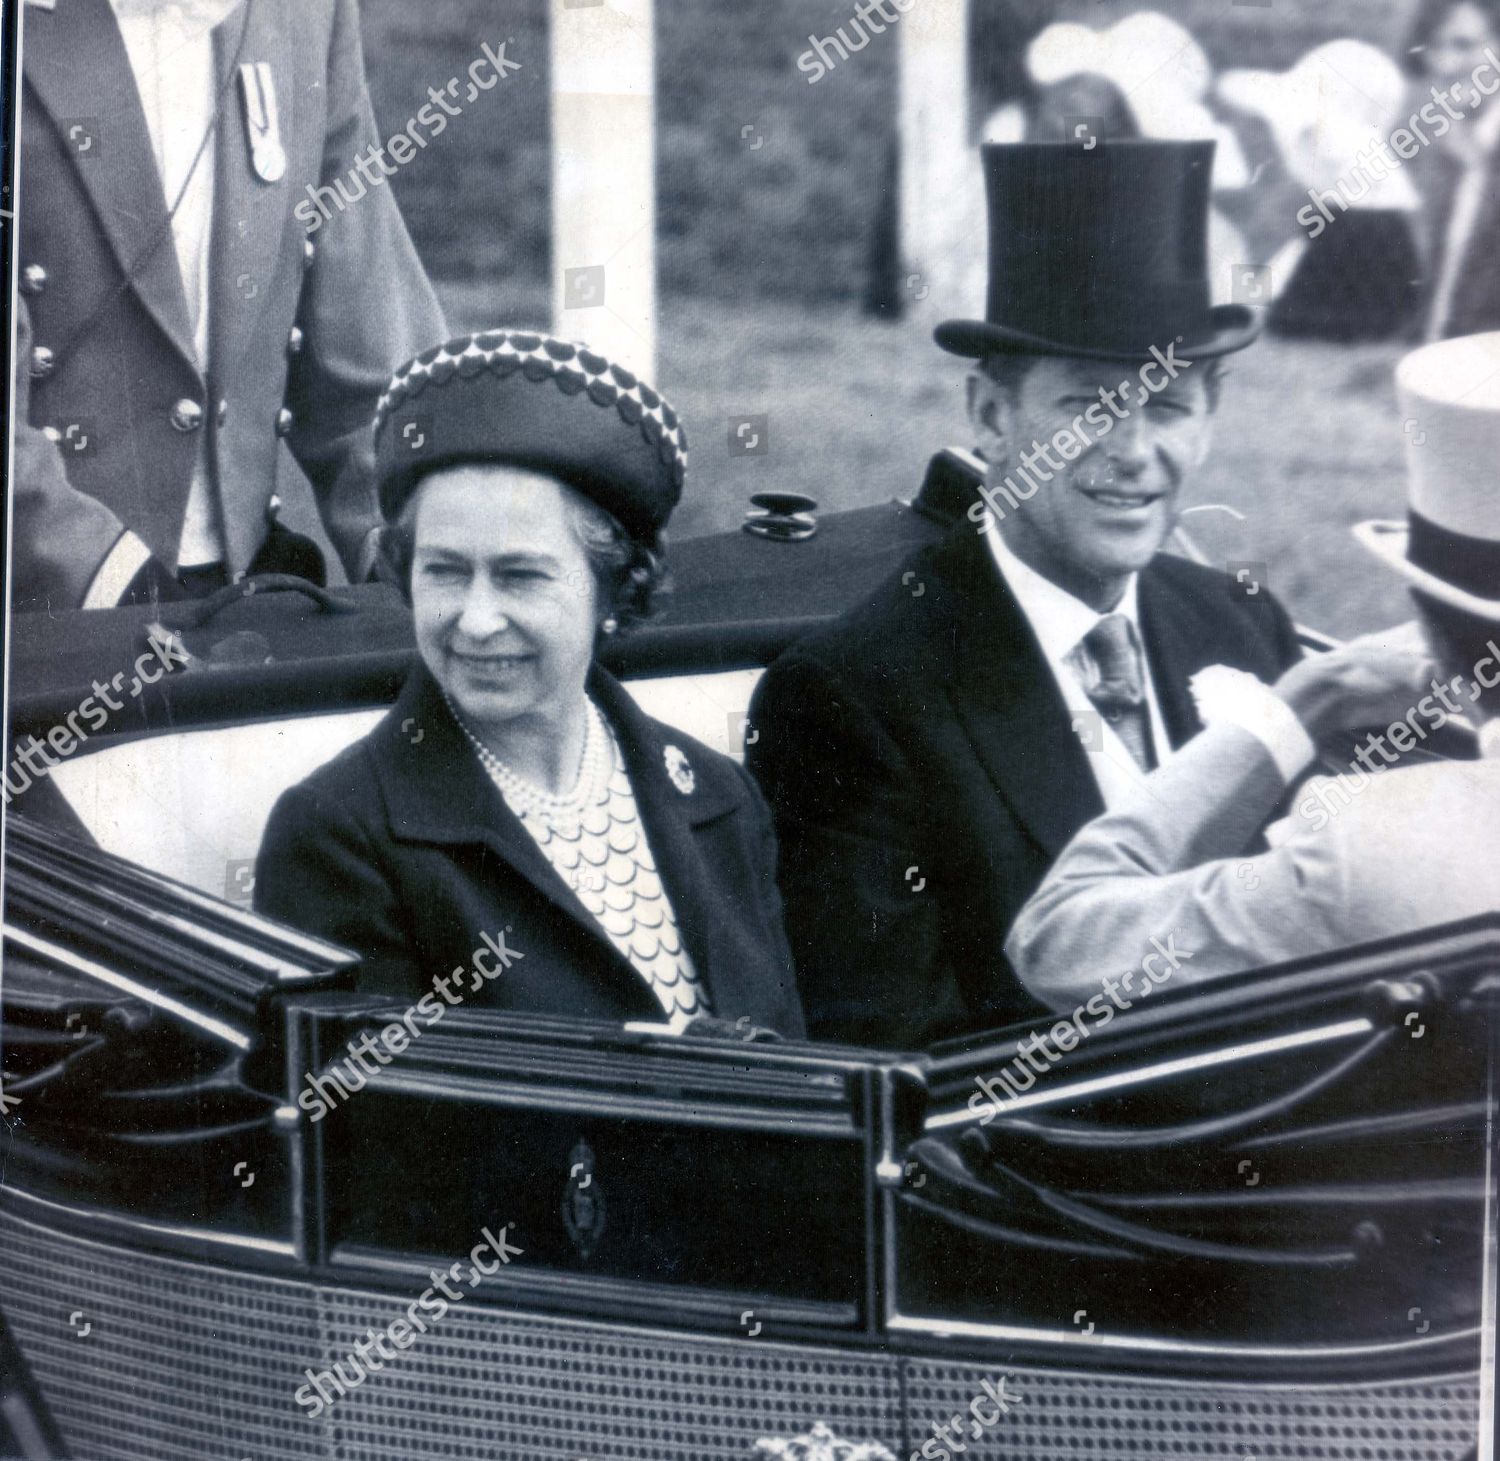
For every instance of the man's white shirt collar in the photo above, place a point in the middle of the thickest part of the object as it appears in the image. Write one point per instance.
(1060, 621)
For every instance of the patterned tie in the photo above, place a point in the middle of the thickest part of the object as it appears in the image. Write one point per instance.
(1114, 681)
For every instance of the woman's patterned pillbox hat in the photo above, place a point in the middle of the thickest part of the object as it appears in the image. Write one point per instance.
(519, 398)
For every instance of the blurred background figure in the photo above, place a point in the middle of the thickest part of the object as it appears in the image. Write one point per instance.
(1459, 175)
(1351, 271)
(1145, 76)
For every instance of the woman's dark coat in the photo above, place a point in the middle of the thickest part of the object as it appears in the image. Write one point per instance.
(402, 849)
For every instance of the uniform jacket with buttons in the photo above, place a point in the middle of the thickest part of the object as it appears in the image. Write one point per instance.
(402, 849)
(305, 327)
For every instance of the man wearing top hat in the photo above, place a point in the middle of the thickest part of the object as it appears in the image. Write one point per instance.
(1398, 842)
(176, 322)
(931, 753)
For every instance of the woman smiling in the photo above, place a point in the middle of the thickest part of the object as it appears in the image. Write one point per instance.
(515, 787)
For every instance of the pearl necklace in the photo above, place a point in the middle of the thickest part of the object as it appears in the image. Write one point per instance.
(527, 799)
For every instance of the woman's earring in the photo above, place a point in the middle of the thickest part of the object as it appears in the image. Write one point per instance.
(610, 625)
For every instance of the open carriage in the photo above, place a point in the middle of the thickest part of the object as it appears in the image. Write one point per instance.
(1257, 1220)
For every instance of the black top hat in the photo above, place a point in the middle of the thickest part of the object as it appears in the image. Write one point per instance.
(1100, 252)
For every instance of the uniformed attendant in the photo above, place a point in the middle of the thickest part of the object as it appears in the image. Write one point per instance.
(515, 789)
(175, 322)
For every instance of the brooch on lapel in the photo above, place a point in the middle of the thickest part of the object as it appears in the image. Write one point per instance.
(679, 773)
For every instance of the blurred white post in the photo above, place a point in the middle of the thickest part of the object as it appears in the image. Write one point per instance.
(604, 177)
(934, 141)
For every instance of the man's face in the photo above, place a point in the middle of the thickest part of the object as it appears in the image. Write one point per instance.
(1106, 513)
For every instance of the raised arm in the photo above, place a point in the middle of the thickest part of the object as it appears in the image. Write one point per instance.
(1173, 864)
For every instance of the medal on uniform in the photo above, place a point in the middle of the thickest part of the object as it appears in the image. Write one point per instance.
(262, 123)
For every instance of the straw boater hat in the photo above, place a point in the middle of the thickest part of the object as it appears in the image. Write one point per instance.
(1449, 546)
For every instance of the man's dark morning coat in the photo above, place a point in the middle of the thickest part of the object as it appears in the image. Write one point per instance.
(924, 773)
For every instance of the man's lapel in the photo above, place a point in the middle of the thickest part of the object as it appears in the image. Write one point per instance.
(251, 215)
(1179, 642)
(1006, 698)
(76, 64)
